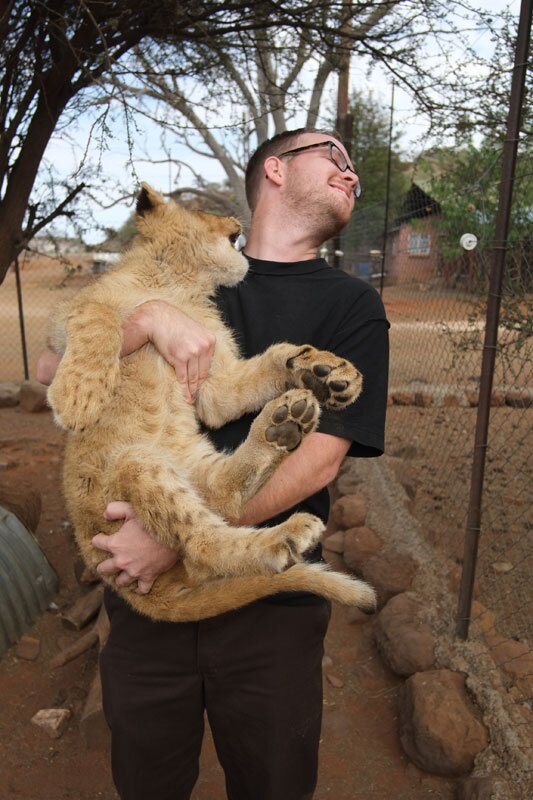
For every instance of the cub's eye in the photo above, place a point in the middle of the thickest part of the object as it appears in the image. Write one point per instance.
(238, 240)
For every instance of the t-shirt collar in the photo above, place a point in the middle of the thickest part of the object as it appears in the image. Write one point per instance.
(281, 268)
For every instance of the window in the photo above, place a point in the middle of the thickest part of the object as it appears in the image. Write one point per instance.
(418, 244)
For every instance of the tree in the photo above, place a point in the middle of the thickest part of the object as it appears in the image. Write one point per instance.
(53, 51)
(259, 83)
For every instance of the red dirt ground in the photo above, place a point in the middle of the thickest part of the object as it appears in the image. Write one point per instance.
(361, 756)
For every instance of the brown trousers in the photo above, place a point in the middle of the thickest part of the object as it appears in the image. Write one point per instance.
(256, 672)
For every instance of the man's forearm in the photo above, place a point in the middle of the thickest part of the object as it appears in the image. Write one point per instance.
(310, 468)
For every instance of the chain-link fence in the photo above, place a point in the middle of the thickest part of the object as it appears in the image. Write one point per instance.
(45, 278)
(435, 293)
(435, 290)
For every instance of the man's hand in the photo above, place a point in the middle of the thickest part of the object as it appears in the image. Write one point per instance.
(47, 367)
(184, 343)
(135, 555)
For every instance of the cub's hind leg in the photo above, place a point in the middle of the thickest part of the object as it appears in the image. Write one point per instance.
(173, 512)
(88, 372)
(228, 482)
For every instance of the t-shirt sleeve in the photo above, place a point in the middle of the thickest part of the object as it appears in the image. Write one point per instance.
(362, 338)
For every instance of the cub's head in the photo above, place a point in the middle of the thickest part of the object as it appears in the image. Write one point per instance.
(191, 244)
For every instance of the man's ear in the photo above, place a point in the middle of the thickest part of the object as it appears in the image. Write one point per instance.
(274, 170)
(148, 199)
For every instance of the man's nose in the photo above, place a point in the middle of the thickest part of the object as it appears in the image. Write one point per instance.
(353, 180)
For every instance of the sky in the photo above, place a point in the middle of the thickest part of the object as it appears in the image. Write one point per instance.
(123, 168)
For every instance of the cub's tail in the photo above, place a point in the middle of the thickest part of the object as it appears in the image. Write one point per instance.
(175, 603)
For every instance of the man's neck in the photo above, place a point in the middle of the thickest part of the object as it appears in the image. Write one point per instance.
(272, 243)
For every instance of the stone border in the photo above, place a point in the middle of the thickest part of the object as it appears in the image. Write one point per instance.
(394, 536)
(450, 397)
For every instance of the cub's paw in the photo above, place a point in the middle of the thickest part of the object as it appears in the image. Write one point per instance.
(288, 543)
(78, 398)
(289, 418)
(334, 381)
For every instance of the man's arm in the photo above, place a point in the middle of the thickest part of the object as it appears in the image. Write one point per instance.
(306, 471)
(185, 344)
(136, 556)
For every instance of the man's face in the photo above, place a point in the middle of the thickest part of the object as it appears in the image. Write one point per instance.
(316, 188)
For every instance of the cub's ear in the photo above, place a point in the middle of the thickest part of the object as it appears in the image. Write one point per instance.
(148, 199)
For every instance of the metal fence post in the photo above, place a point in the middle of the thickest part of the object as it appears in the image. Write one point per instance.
(473, 525)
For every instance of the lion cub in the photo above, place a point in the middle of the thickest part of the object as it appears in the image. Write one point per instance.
(133, 436)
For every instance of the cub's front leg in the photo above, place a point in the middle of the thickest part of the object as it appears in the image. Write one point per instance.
(238, 386)
(88, 372)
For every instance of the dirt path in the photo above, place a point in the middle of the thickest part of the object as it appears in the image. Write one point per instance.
(360, 753)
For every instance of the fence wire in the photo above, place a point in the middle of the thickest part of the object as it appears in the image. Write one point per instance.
(435, 293)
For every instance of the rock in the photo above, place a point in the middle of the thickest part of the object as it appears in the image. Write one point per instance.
(403, 398)
(440, 729)
(519, 398)
(350, 511)
(327, 661)
(497, 398)
(335, 542)
(404, 641)
(354, 616)
(360, 544)
(501, 567)
(423, 399)
(28, 648)
(472, 398)
(450, 401)
(33, 396)
(9, 394)
(23, 500)
(347, 483)
(334, 681)
(52, 720)
(389, 573)
(476, 788)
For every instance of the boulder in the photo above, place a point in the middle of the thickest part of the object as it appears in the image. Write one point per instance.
(360, 544)
(52, 720)
(404, 641)
(389, 573)
(347, 483)
(440, 729)
(423, 399)
(403, 398)
(9, 394)
(23, 500)
(335, 542)
(28, 648)
(350, 511)
(33, 396)
(519, 398)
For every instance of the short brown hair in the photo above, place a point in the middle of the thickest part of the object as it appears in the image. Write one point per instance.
(273, 147)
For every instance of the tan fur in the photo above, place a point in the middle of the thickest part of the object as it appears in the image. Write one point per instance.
(133, 436)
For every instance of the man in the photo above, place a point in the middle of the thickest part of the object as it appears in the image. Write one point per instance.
(256, 671)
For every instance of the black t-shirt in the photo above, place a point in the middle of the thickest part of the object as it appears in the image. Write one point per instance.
(309, 302)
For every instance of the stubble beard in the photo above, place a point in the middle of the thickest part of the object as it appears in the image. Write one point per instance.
(318, 211)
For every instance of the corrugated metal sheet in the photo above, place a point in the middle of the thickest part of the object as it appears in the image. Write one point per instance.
(27, 581)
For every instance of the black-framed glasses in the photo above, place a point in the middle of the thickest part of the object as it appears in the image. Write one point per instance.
(335, 155)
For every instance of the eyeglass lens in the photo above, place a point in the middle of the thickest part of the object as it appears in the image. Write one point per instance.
(340, 161)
